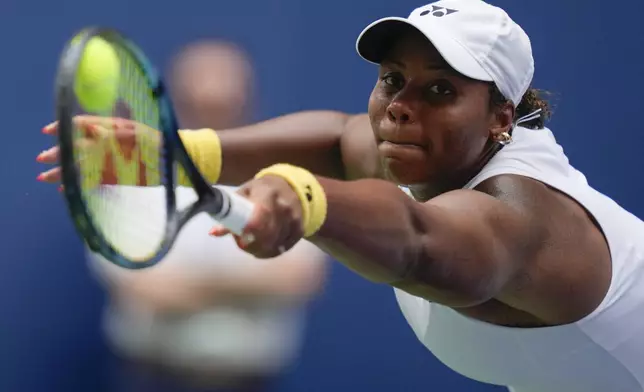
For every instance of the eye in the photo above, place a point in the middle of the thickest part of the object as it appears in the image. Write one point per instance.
(393, 80)
(442, 88)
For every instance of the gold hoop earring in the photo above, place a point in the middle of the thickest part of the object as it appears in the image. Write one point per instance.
(504, 139)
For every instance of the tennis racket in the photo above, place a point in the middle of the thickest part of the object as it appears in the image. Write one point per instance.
(119, 161)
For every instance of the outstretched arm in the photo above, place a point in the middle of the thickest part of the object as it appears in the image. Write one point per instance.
(328, 143)
(320, 141)
(459, 249)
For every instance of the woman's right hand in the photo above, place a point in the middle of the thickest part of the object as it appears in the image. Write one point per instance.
(96, 132)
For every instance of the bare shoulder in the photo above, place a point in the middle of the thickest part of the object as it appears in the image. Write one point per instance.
(571, 272)
(359, 150)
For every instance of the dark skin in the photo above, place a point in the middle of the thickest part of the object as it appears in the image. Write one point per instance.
(510, 252)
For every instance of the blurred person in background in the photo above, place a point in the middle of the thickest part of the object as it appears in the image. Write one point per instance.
(212, 85)
(209, 317)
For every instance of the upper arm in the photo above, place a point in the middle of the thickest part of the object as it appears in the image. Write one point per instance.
(359, 150)
(515, 240)
(569, 272)
(472, 246)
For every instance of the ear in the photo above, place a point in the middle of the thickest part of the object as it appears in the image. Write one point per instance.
(501, 119)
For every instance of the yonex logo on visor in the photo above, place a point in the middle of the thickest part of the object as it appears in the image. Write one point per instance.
(438, 11)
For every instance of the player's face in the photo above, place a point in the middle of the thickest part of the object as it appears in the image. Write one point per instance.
(430, 123)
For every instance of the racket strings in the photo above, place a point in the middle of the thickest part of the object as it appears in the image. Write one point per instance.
(122, 177)
(130, 218)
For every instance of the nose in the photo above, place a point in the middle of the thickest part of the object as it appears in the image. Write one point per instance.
(400, 112)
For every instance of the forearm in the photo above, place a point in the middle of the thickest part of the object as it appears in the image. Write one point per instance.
(370, 228)
(307, 139)
(378, 231)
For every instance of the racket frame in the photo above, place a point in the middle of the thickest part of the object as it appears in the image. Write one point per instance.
(210, 199)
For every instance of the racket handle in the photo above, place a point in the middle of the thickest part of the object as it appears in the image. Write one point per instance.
(236, 211)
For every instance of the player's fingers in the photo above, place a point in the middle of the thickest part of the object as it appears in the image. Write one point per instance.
(270, 227)
(256, 234)
(52, 155)
(88, 124)
(51, 129)
(86, 121)
(94, 131)
(219, 231)
(50, 176)
(242, 241)
(292, 229)
(49, 156)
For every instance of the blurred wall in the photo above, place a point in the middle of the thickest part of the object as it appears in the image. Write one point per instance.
(586, 53)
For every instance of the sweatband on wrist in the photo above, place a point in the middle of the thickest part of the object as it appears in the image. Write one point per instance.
(308, 190)
(204, 148)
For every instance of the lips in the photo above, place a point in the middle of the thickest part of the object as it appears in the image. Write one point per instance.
(385, 144)
(398, 144)
(399, 150)
(410, 136)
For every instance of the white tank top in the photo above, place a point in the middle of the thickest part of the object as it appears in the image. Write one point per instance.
(604, 352)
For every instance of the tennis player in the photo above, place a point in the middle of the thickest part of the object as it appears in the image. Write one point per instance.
(508, 266)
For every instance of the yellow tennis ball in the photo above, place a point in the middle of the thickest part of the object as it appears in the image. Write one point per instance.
(97, 77)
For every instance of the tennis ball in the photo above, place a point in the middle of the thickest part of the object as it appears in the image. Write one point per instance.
(97, 77)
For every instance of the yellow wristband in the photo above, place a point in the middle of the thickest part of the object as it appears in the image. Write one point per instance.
(204, 148)
(308, 190)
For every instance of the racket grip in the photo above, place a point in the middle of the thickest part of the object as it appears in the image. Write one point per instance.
(236, 211)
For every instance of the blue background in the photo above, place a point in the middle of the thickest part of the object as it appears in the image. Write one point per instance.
(587, 53)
